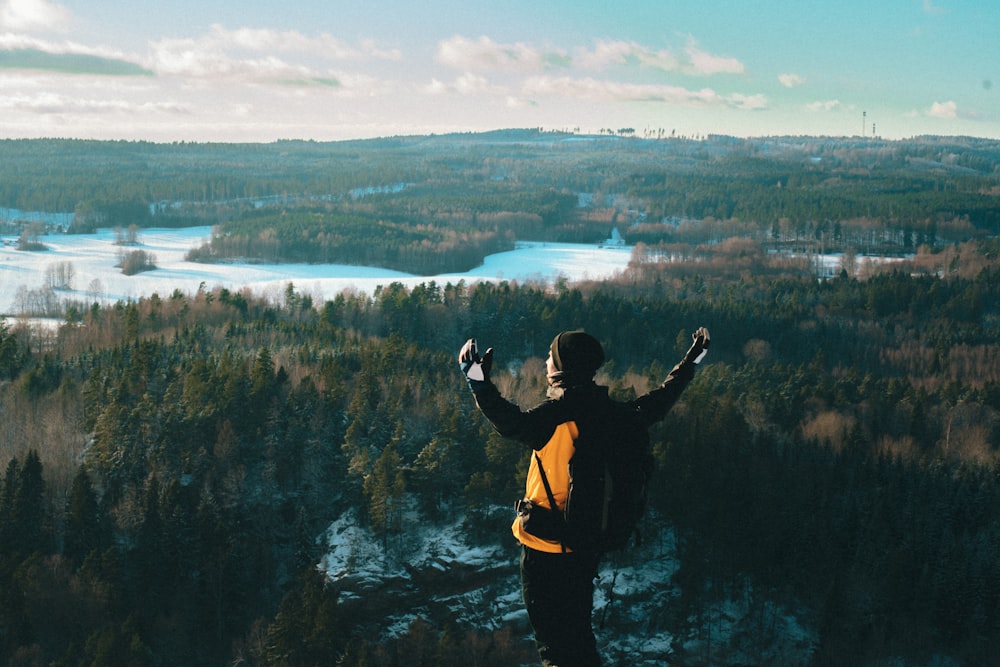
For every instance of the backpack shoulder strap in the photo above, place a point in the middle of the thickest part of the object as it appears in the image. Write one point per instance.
(548, 492)
(545, 481)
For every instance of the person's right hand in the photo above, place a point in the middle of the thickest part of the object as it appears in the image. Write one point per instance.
(473, 366)
(699, 348)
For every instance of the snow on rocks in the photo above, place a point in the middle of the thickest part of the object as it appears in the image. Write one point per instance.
(433, 573)
(436, 573)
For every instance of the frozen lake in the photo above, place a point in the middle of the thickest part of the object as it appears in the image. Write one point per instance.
(92, 259)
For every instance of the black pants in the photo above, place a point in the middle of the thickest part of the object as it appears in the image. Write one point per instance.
(558, 591)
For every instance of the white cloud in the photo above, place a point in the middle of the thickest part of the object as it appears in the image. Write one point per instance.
(30, 53)
(695, 62)
(949, 111)
(191, 63)
(617, 52)
(597, 89)
(485, 54)
(605, 53)
(824, 105)
(266, 40)
(613, 91)
(943, 110)
(702, 62)
(436, 87)
(13, 42)
(791, 80)
(34, 15)
(260, 55)
(241, 110)
(466, 84)
(56, 103)
(354, 84)
(747, 102)
(200, 59)
(292, 41)
(473, 83)
(371, 49)
(518, 102)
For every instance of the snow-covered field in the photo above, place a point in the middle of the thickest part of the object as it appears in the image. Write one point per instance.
(93, 257)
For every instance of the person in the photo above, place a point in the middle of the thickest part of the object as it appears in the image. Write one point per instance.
(557, 582)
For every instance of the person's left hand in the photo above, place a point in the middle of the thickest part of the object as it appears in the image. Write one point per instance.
(473, 366)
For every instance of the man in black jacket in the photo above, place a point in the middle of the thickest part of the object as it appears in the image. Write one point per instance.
(557, 581)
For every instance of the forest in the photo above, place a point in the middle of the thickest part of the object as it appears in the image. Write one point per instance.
(168, 462)
(440, 204)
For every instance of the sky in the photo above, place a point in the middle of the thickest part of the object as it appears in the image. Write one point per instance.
(237, 71)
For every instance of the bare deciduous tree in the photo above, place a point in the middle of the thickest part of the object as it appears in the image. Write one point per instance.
(60, 275)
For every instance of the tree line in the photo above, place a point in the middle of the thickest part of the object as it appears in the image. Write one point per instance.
(924, 190)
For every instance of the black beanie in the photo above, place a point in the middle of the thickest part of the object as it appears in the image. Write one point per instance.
(577, 352)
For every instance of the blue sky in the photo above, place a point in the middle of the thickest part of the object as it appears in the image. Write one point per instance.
(327, 69)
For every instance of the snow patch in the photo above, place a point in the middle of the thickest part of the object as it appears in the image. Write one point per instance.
(430, 573)
(354, 551)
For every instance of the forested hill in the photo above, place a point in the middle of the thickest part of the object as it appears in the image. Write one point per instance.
(171, 464)
(441, 203)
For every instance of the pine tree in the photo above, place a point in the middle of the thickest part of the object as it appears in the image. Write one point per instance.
(121, 645)
(307, 628)
(11, 354)
(385, 488)
(8, 488)
(366, 432)
(84, 525)
(150, 554)
(28, 520)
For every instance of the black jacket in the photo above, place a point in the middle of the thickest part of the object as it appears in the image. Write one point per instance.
(555, 427)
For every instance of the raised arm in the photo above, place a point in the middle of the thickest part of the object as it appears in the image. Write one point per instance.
(655, 405)
(532, 427)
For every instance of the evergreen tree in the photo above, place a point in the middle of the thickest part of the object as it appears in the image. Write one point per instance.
(8, 489)
(85, 527)
(29, 525)
(150, 558)
(307, 629)
(12, 356)
(119, 645)
(384, 488)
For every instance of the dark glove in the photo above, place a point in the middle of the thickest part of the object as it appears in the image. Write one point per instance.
(474, 367)
(699, 348)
